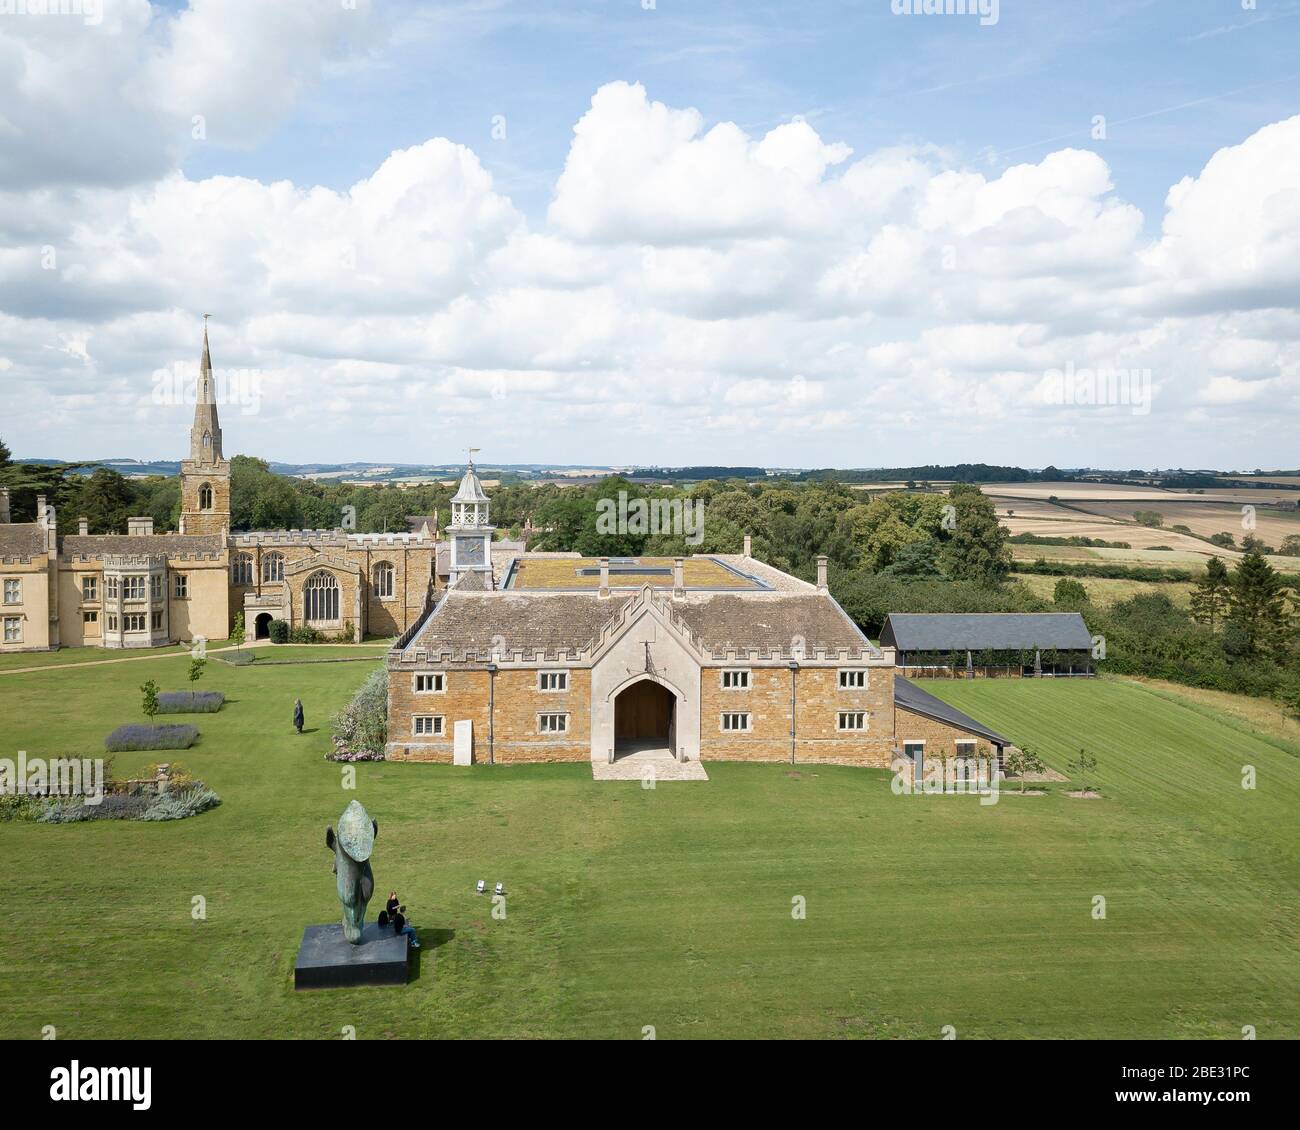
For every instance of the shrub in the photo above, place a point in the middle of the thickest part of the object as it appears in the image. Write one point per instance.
(135, 736)
(114, 806)
(190, 702)
(304, 634)
(179, 805)
(362, 726)
(20, 807)
(279, 631)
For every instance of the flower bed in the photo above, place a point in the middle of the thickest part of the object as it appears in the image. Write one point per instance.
(135, 736)
(190, 702)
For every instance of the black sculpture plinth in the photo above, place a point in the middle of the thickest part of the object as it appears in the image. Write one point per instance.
(327, 960)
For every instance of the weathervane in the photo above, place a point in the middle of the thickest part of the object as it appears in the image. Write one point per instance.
(471, 451)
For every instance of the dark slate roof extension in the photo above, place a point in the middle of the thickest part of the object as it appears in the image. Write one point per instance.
(977, 631)
(914, 700)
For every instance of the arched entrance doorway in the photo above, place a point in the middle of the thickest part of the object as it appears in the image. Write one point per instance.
(645, 721)
(262, 626)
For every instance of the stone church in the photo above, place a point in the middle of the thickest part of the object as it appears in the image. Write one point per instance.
(139, 588)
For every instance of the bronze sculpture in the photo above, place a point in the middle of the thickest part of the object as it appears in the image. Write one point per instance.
(356, 882)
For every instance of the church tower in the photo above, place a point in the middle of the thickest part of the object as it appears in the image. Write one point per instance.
(205, 475)
(470, 531)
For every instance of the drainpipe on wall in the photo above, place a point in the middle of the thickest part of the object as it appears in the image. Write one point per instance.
(793, 668)
(492, 679)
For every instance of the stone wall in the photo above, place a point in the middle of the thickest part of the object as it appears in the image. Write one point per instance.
(516, 704)
(33, 610)
(818, 701)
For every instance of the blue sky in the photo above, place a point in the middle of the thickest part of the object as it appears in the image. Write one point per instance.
(592, 231)
(1176, 80)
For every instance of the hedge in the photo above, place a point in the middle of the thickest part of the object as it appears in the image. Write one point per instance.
(136, 736)
(190, 702)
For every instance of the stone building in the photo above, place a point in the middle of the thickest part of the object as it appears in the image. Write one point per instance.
(146, 589)
(712, 656)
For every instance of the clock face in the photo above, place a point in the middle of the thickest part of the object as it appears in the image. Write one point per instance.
(469, 551)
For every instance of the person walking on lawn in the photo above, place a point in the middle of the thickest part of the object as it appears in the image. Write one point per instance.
(297, 715)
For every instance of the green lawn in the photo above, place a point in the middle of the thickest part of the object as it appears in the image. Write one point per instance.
(672, 907)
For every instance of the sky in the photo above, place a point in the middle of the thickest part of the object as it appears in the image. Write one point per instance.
(622, 232)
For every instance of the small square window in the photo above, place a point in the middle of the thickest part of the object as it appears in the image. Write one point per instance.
(552, 680)
(853, 680)
(89, 588)
(430, 682)
(13, 592)
(13, 629)
(852, 720)
(90, 617)
(735, 680)
(428, 725)
(182, 586)
(552, 723)
(155, 622)
(736, 721)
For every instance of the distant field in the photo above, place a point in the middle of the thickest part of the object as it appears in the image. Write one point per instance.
(1103, 591)
(1208, 518)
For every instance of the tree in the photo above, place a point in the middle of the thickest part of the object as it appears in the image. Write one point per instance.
(1148, 518)
(237, 634)
(106, 498)
(1022, 763)
(1223, 540)
(1290, 546)
(4, 454)
(149, 703)
(196, 669)
(1210, 597)
(1070, 593)
(1257, 605)
(977, 550)
(917, 560)
(1083, 767)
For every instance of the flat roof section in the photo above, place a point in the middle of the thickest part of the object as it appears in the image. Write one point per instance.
(582, 574)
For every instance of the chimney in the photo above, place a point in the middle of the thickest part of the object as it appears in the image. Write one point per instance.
(139, 527)
(604, 577)
(83, 526)
(748, 545)
(45, 518)
(821, 572)
(4, 504)
(679, 577)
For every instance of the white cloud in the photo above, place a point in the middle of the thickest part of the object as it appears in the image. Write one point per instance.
(686, 279)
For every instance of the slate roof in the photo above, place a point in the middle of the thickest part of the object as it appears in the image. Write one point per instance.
(916, 701)
(762, 621)
(174, 545)
(21, 539)
(507, 621)
(483, 622)
(976, 631)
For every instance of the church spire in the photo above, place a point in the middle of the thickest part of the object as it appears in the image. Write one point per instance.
(205, 435)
